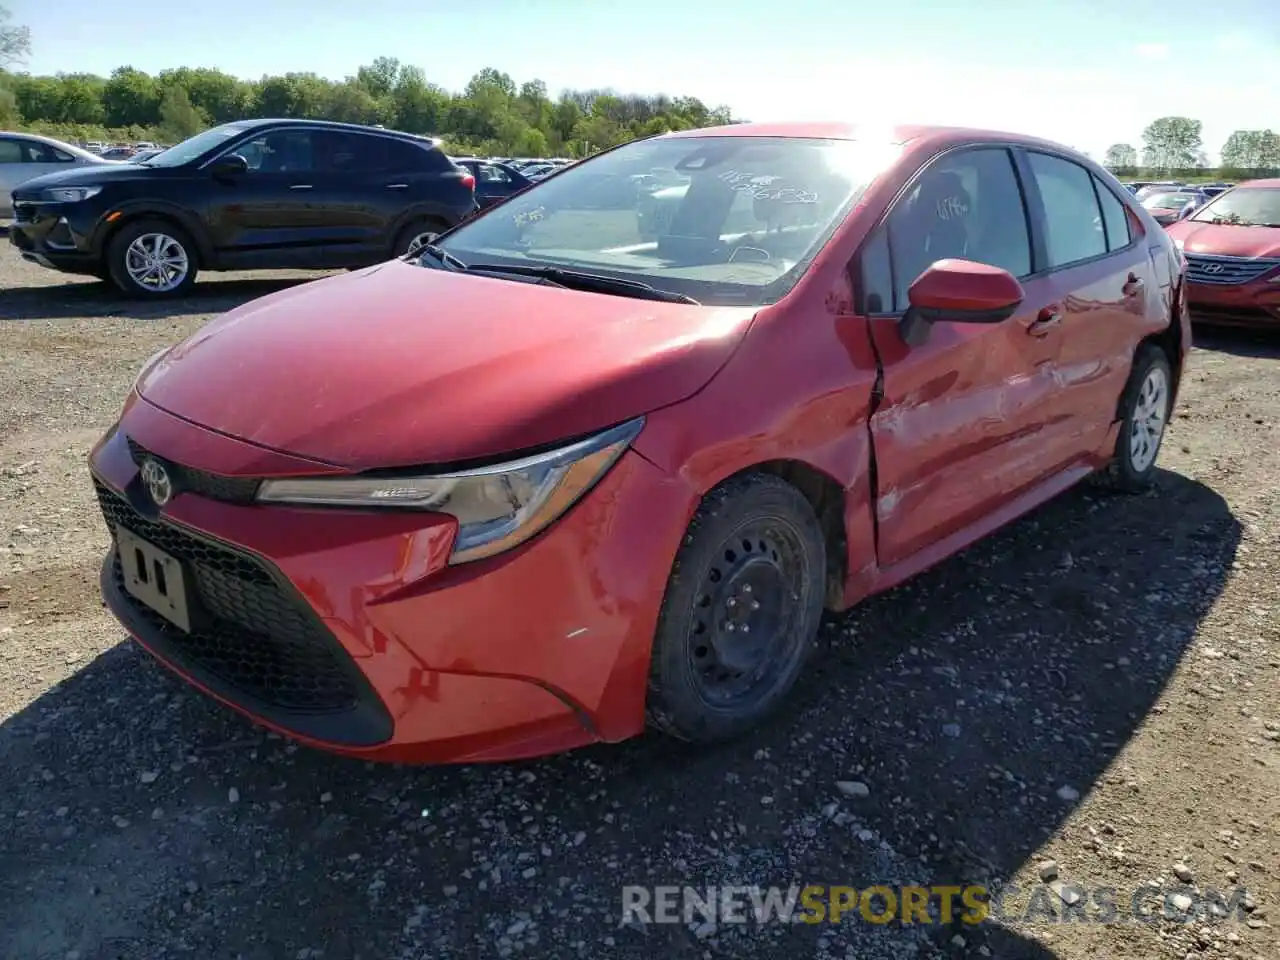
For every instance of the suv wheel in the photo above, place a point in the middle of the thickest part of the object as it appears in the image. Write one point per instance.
(417, 235)
(152, 258)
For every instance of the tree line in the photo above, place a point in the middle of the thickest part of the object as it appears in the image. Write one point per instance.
(1172, 146)
(493, 115)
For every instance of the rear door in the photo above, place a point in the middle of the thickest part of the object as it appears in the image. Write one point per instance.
(1100, 272)
(963, 426)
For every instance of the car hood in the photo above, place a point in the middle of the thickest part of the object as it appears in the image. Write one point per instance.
(89, 173)
(399, 365)
(1227, 241)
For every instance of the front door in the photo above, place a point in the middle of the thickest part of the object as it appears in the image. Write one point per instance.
(273, 214)
(964, 424)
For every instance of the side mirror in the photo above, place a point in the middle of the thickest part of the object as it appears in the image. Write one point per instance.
(958, 291)
(231, 165)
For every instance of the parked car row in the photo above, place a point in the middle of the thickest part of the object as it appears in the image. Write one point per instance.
(1230, 237)
(545, 481)
(257, 194)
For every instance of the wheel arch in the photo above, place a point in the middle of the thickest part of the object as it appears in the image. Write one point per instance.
(827, 498)
(188, 222)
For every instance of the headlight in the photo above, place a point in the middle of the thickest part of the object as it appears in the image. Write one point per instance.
(496, 507)
(70, 194)
(1177, 243)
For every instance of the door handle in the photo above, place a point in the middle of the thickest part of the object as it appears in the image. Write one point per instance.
(301, 186)
(397, 186)
(1046, 320)
(1134, 285)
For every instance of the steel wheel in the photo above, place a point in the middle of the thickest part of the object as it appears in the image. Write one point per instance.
(740, 614)
(1150, 413)
(744, 617)
(157, 262)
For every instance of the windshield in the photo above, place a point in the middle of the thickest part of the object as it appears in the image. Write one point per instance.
(195, 146)
(719, 219)
(1243, 206)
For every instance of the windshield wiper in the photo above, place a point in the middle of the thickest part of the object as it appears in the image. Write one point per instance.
(440, 256)
(587, 281)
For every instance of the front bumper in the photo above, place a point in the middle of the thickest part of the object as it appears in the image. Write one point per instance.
(1252, 305)
(347, 630)
(57, 235)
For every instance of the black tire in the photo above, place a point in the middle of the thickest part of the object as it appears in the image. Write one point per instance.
(118, 256)
(1133, 467)
(416, 228)
(754, 532)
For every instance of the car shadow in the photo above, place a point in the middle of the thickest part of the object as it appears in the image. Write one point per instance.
(1238, 341)
(90, 298)
(966, 701)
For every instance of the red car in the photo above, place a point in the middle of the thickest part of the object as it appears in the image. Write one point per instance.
(1232, 249)
(552, 479)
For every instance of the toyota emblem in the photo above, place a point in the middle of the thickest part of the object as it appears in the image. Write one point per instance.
(1213, 268)
(156, 479)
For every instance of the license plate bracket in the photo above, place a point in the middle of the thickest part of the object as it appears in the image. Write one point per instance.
(154, 578)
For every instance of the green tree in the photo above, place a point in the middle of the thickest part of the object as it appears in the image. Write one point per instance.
(9, 115)
(178, 118)
(493, 114)
(1120, 156)
(131, 97)
(1171, 143)
(1251, 150)
(15, 42)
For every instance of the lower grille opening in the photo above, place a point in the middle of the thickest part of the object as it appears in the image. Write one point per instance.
(254, 640)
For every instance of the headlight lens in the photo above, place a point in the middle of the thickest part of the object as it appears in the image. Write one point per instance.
(70, 194)
(1177, 243)
(496, 507)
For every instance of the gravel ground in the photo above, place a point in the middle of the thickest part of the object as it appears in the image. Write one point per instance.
(1098, 685)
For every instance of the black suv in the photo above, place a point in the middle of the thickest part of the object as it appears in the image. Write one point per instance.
(257, 194)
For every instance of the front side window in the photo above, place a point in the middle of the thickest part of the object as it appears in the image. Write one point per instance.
(1073, 221)
(196, 146)
(1244, 207)
(744, 221)
(967, 205)
(279, 152)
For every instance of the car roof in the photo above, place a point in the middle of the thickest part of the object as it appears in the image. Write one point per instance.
(937, 136)
(51, 141)
(334, 125)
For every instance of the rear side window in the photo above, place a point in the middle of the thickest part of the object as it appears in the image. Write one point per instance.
(1073, 222)
(1114, 217)
(966, 205)
(423, 157)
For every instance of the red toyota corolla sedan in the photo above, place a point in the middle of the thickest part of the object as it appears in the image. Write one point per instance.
(552, 478)
(1232, 249)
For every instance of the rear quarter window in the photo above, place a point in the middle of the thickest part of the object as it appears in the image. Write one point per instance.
(1115, 218)
(404, 155)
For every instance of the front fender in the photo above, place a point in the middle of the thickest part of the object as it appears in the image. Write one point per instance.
(130, 210)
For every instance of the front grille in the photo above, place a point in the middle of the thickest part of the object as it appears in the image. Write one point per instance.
(246, 631)
(211, 485)
(24, 212)
(1203, 268)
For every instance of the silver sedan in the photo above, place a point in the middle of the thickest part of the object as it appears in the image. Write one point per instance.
(27, 155)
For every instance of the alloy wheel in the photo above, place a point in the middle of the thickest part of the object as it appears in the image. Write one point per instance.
(156, 262)
(1150, 414)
